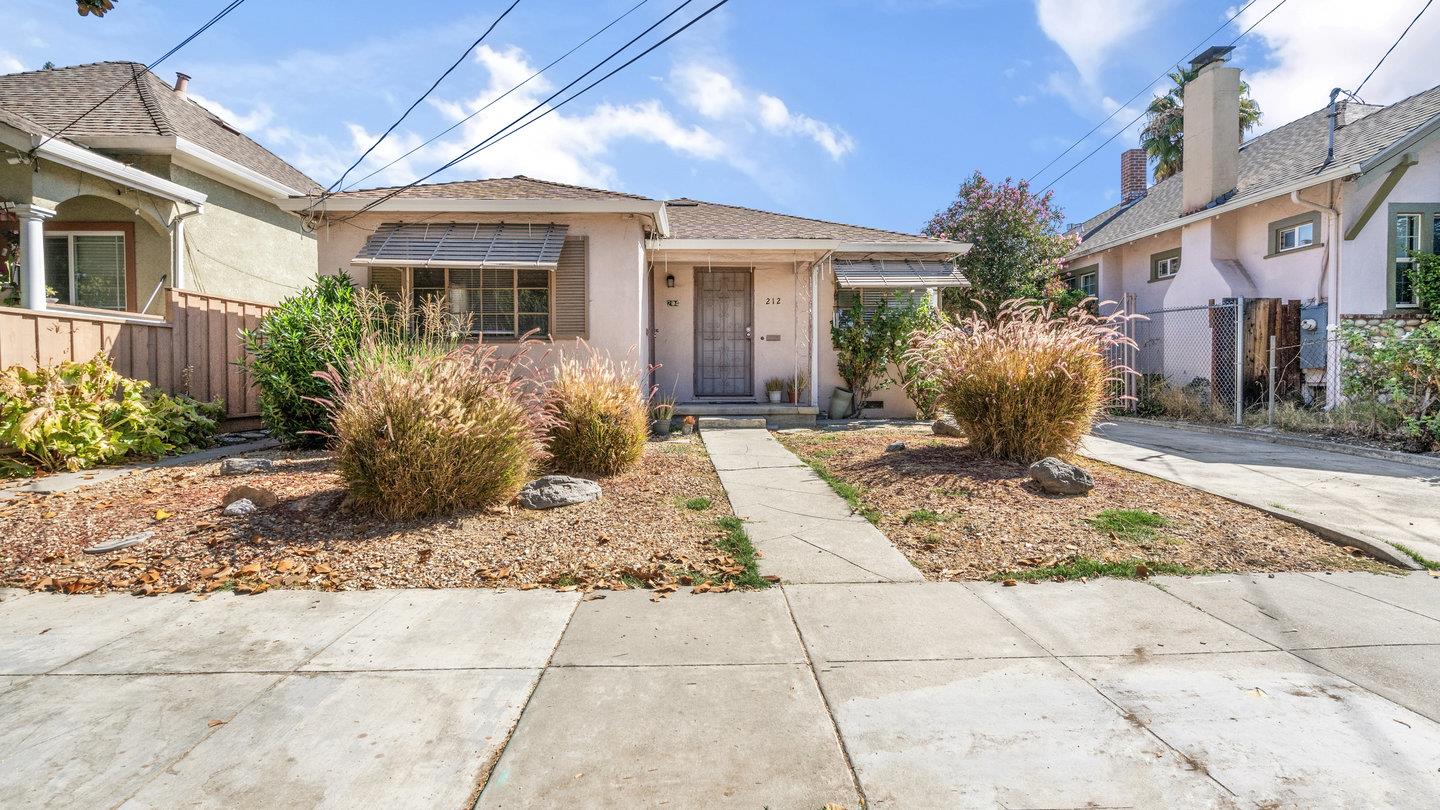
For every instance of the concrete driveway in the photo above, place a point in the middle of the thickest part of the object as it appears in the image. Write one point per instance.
(1380, 500)
(1292, 690)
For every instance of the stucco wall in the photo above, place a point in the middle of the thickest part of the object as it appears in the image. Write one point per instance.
(896, 404)
(616, 268)
(1364, 260)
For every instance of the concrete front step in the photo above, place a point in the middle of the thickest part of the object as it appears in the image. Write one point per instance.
(771, 415)
(721, 422)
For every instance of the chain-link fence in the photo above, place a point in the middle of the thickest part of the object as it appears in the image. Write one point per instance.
(1185, 359)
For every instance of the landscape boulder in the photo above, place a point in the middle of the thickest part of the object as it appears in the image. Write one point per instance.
(551, 491)
(945, 426)
(1060, 478)
(244, 506)
(894, 447)
(246, 466)
(259, 496)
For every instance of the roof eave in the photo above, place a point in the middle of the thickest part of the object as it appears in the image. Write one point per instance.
(825, 245)
(1399, 147)
(197, 158)
(459, 205)
(65, 153)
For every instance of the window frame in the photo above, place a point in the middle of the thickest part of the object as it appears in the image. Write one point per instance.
(124, 230)
(1164, 256)
(1280, 226)
(477, 326)
(1076, 279)
(1427, 215)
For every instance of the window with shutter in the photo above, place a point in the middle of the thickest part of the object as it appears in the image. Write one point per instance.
(502, 302)
(871, 298)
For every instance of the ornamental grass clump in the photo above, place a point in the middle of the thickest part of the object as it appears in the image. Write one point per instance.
(1027, 383)
(600, 415)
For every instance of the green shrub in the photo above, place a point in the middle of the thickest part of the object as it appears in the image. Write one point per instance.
(1027, 384)
(310, 332)
(920, 387)
(77, 415)
(1400, 374)
(865, 349)
(601, 415)
(420, 434)
(1425, 280)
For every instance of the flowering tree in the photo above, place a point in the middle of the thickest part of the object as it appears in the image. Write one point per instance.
(1018, 244)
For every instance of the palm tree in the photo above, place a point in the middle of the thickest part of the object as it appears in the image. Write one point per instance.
(1163, 137)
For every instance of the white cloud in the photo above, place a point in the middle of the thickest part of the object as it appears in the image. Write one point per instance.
(707, 90)
(715, 95)
(1088, 30)
(776, 117)
(10, 64)
(252, 122)
(1330, 43)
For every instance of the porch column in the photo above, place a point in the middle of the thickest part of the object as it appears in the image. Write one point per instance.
(32, 254)
(815, 270)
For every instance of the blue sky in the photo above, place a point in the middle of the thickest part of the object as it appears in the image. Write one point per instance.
(864, 111)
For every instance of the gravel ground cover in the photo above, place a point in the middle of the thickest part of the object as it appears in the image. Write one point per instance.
(660, 525)
(958, 516)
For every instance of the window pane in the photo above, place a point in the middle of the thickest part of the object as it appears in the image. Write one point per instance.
(1305, 234)
(533, 278)
(537, 322)
(1404, 291)
(100, 271)
(429, 277)
(535, 301)
(1288, 238)
(1435, 235)
(57, 266)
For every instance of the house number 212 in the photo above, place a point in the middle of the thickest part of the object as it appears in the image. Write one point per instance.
(773, 300)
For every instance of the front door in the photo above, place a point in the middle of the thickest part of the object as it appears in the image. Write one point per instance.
(722, 333)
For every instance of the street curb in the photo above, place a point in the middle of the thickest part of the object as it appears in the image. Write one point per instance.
(1288, 439)
(1379, 549)
(68, 482)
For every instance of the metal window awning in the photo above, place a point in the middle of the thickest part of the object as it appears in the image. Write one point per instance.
(897, 273)
(464, 244)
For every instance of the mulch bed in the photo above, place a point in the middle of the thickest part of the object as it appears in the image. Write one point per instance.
(992, 519)
(639, 534)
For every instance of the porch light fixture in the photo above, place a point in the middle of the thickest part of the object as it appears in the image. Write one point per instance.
(669, 279)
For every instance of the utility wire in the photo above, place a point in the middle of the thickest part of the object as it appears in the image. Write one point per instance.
(234, 4)
(502, 131)
(498, 98)
(1137, 118)
(1423, 9)
(1140, 92)
(425, 95)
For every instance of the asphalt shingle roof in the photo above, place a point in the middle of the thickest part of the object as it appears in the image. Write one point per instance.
(1272, 161)
(693, 219)
(49, 100)
(519, 187)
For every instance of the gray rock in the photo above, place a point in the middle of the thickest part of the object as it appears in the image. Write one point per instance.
(246, 466)
(244, 506)
(551, 491)
(1059, 478)
(261, 497)
(894, 447)
(119, 543)
(946, 426)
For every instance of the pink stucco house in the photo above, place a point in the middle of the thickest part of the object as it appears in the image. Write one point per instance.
(1324, 210)
(717, 298)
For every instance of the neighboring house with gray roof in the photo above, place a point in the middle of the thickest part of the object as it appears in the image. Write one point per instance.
(1291, 214)
(716, 298)
(113, 198)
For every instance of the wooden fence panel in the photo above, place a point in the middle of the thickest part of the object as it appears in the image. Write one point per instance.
(195, 349)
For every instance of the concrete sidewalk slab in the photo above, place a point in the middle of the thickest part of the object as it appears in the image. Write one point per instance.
(1000, 733)
(378, 739)
(1277, 731)
(1296, 611)
(926, 620)
(737, 450)
(91, 741)
(738, 736)
(1418, 592)
(274, 632)
(40, 632)
(1369, 498)
(791, 555)
(1405, 675)
(1111, 617)
(627, 629)
(453, 629)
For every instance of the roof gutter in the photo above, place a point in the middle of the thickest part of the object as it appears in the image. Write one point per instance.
(654, 209)
(1235, 204)
(952, 249)
(81, 159)
(197, 158)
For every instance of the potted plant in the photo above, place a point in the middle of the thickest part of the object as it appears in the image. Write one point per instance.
(775, 388)
(795, 387)
(663, 412)
(687, 426)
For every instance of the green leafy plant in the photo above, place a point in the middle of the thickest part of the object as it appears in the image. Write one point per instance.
(920, 387)
(77, 415)
(1425, 281)
(1027, 385)
(318, 329)
(776, 385)
(1163, 137)
(1128, 524)
(1400, 373)
(866, 348)
(601, 415)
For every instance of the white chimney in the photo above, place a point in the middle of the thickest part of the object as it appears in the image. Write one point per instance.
(182, 83)
(1212, 130)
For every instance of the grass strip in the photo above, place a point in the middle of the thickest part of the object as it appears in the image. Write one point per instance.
(736, 543)
(1429, 565)
(846, 490)
(1084, 567)
(1128, 524)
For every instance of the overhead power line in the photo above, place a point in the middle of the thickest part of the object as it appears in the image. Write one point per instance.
(504, 131)
(234, 4)
(1393, 45)
(425, 94)
(1137, 118)
(492, 102)
(1141, 91)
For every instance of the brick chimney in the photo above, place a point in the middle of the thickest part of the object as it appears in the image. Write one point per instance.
(1212, 130)
(182, 83)
(1134, 175)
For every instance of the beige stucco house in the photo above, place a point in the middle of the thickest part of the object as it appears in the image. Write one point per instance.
(716, 298)
(1324, 211)
(116, 185)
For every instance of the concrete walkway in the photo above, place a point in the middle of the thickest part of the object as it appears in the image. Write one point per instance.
(1381, 500)
(1296, 690)
(806, 532)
